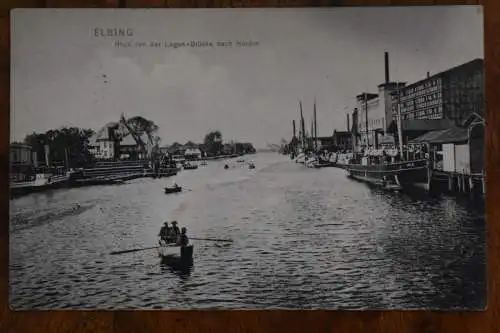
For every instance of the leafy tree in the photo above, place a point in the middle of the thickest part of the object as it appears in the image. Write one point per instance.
(213, 143)
(65, 144)
(142, 125)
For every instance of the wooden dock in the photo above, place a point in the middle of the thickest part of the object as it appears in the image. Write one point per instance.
(473, 184)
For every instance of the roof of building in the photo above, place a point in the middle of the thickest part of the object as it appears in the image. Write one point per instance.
(451, 135)
(128, 140)
(342, 132)
(366, 95)
(392, 84)
(190, 144)
(103, 133)
(20, 145)
(472, 63)
(421, 125)
(193, 151)
(474, 117)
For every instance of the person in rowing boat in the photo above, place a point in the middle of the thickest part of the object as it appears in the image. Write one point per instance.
(165, 233)
(174, 232)
(183, 239)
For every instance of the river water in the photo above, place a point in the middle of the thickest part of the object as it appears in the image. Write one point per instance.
(303, 238)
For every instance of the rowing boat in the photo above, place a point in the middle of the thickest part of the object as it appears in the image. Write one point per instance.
(169, 190)
(189, 166)
(169, 254)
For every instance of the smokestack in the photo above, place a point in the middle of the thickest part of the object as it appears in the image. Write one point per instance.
(348, 127)
(386, 58)
(428, 74)
(293, 124)
(47, 154)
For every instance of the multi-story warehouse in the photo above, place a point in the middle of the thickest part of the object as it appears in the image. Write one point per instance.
(452, 95)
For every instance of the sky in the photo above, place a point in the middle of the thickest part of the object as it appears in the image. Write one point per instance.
(64, 75)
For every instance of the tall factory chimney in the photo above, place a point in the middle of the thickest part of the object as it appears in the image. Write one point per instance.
(386, 58)
(348, 127)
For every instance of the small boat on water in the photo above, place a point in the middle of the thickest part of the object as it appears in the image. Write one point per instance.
(190, 166)
(311, 162)
(203, 163)
(226, 166)
(173, 189)
(169, 255)
(322, 163)
(251, 166)
(301, 158)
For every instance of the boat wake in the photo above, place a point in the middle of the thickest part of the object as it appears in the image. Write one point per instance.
(43, 216)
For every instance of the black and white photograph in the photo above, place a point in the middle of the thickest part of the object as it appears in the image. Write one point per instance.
(196, 159)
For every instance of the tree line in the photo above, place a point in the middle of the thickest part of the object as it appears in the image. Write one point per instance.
(70, 146)
(67, 145)
(213, 145)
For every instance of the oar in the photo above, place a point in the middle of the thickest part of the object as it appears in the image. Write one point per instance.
(136, 250)
(212, 239)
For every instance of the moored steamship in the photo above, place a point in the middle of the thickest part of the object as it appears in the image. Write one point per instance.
(391, 174)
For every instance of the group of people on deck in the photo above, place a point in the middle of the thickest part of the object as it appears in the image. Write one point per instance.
(172, 235)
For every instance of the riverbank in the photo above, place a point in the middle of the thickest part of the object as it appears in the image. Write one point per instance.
(103, 173)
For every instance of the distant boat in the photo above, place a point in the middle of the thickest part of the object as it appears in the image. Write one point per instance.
(203, 163)
(301, 158)
(251, 166)
(311, 162)
(190, 166)
(173, 189)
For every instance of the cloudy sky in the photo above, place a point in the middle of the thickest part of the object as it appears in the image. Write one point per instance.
(63, 75)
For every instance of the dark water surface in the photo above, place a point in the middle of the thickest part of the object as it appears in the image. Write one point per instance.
(303, 238)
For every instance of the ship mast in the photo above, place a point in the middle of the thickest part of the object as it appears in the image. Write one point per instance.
(399, 124)
(302, 127)
(366, 120)
(315, 129)
(398, 105)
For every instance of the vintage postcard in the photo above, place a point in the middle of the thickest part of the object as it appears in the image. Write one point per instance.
(248, 159)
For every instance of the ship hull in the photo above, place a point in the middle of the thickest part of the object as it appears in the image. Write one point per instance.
(393, 176)
(20, 189)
